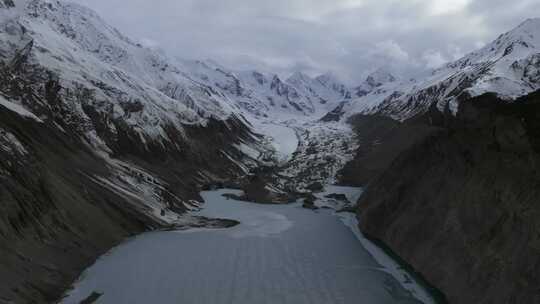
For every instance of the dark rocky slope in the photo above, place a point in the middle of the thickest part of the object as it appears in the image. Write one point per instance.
(381, 140)
(462, 206)
(94, 154)
(55, 218)
(53, 221)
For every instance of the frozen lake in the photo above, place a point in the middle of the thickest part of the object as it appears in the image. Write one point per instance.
(278, 254)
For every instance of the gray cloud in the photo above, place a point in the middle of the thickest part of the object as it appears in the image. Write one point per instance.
(348, 37)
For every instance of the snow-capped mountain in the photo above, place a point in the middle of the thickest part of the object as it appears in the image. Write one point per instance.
(331, 82)
(150, 91)
(101, 137)
(107, 79)
(374, 80)
(509, 67)
(251, 92)
(323, 91)
(82, 50)
(64, 67)
(268, 95)
(107, 87)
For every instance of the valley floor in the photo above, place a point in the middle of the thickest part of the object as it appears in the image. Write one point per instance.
(277, 254)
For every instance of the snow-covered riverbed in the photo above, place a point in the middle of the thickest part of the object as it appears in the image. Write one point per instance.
(283, 139)
(278, 254)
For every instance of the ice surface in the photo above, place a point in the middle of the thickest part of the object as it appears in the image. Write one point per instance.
(283, 138)
(350, 220)
(248, 150)
(393, 268)
(323, 150)
(255, 221)
(278, 254)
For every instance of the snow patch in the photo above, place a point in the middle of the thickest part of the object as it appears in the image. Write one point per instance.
(282, 138)
(247, 150)
(19, 109)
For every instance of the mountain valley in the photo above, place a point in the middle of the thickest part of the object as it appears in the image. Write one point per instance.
(103, 139)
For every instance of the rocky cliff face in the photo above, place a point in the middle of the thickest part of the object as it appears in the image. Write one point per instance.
(90, 153)
(452, 179)
(101, 138)
(54, 219)
(381, 140)
(65, 202)
(462, 205)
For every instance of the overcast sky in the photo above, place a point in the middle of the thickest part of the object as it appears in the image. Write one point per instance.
(347, 37)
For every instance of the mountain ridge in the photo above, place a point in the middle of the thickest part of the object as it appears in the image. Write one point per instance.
(135, 134)
(507, 66)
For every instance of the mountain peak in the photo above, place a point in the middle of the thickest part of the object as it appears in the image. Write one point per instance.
(516, 43)
(275, 78)
(533, 23)
(380, 77)
(50, 5)
(299, 77)
(528, 31)
(374, 80)
(327, 78)
(259, 77)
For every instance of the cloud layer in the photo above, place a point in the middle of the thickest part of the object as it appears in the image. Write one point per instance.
(348, 37)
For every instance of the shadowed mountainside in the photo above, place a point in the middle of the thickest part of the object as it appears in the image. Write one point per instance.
(64, 203)
(462, 205)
